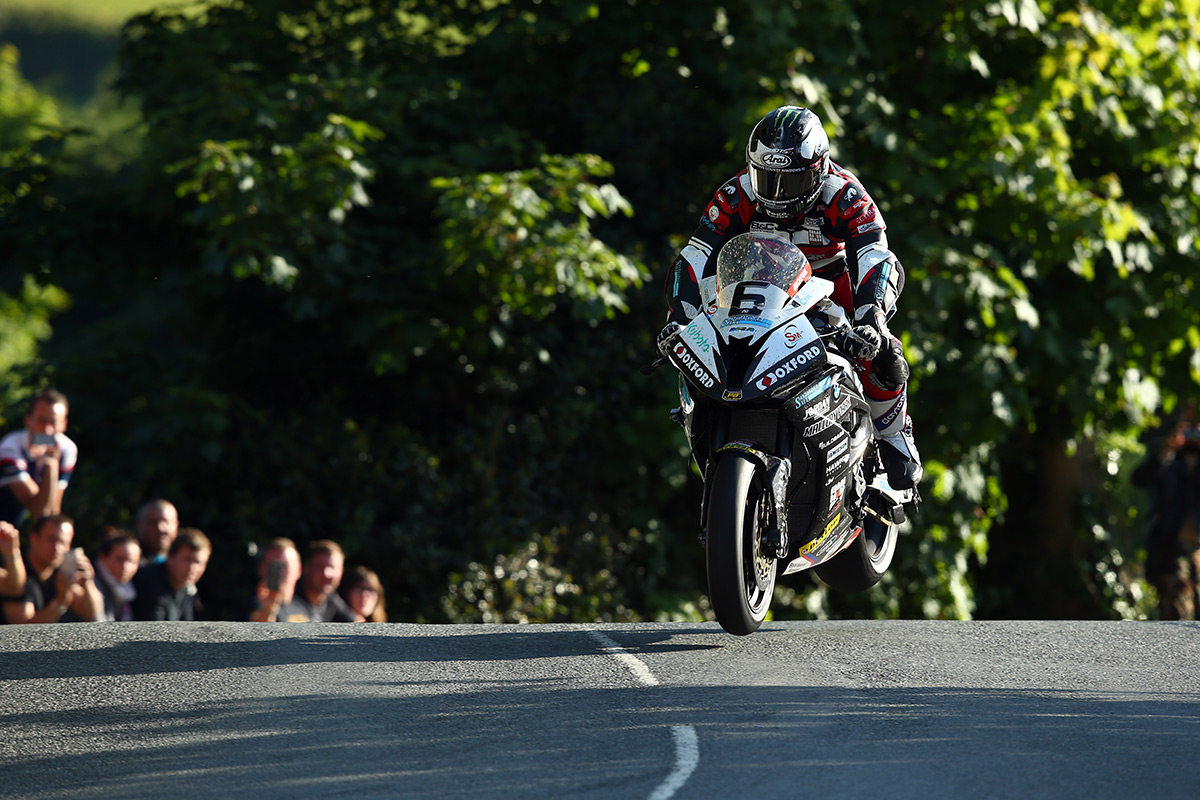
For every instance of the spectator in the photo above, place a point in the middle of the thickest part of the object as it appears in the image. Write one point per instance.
(278, 572)
(318, 600)
(116, 564)
(59, 584)
(1172, 473)
(12, 566)
(167, 590)
(363, 592)
(157, 525)
(36, 462)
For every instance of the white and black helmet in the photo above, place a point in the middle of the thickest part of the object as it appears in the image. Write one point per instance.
(788, 158)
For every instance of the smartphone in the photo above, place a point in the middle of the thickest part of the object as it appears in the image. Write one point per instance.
(70, 563)
(43, 438)
(274, 573)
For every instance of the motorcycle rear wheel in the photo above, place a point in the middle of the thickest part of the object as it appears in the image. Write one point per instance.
(861, 565)
(741, 575)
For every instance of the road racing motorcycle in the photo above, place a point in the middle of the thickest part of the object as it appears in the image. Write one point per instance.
(775, 415)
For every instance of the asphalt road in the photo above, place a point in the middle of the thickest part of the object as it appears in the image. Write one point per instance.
(904, 709)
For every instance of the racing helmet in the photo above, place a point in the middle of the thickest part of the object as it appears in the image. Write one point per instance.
(787, 157)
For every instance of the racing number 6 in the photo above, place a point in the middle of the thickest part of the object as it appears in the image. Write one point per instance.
(747, 302)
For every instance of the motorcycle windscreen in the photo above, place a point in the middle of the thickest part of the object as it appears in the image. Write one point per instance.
(761, 258)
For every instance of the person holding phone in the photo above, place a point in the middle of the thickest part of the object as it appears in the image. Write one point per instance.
(12, 566)
(60, 586)
(36, 461)
(278, 572)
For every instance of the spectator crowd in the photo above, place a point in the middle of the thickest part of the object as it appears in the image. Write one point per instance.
(152, 573)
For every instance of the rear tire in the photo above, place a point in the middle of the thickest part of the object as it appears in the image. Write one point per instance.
(741, 577)
(862, 564)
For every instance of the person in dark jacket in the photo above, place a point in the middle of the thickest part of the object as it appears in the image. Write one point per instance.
(116, 564)
(167, 590)
(316, 598)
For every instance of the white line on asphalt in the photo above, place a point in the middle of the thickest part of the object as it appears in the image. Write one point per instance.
(687, 757)
(687, 745)
(639, 669)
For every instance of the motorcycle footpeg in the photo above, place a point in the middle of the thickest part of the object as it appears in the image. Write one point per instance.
(883, 508)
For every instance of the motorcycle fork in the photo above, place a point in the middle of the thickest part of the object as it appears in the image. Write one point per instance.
(774, 539)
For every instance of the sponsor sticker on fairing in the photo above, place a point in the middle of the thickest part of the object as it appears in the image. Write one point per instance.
(815, 390)
(835, 496)
(818, 409)
(693, 367)
(794, 337)
(788, 367)
(698, 339)
(746, 320)
(815, 543)
(838, 449)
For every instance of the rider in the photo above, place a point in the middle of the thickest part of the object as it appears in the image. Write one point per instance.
(791, 186)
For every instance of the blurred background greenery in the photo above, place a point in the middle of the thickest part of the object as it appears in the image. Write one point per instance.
(384, 271)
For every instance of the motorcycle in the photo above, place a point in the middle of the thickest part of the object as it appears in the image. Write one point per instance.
(779, 427)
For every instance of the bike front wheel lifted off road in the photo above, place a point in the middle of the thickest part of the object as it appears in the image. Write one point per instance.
(741, 575)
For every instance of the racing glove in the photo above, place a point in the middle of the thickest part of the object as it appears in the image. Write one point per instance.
(667, 337)
(862, 342)
(889, 368)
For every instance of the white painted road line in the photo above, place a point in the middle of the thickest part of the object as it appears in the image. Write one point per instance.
(639, 669)
(687, 757)
(687, 745)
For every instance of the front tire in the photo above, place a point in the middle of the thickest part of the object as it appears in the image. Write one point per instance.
(741, 576)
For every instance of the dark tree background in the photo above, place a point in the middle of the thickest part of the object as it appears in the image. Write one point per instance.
(385, 272)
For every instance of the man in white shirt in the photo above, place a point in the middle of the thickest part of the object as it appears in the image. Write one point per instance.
(36, 462)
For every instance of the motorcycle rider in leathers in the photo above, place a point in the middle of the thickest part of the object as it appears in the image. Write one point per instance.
(791, 186)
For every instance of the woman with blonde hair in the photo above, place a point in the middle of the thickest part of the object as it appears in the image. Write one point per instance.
(363, 591)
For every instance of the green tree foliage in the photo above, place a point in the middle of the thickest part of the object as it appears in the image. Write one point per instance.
(30, 141)
(382, 273)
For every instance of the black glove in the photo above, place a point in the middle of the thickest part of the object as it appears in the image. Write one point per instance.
(861, 342)
(667, 337)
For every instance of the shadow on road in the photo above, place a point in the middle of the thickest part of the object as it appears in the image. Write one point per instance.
(147, 655)
(510, 712)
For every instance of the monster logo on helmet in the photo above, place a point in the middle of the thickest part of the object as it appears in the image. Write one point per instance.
(787, 157)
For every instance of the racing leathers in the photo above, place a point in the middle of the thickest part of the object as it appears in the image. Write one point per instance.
(844, 237)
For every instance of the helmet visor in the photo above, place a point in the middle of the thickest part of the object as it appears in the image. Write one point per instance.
(784, 187)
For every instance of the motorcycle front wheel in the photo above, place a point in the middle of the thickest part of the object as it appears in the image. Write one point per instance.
(741, 575)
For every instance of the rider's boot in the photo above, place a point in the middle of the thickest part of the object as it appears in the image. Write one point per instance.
(893, 427)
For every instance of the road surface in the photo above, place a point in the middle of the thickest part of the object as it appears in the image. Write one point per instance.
(895, 709)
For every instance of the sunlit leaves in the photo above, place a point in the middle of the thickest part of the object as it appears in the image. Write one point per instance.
(268, 205)
(525, 236)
